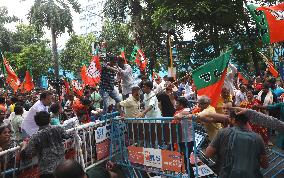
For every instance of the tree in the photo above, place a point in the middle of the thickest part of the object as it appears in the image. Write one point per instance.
(217, 25)
(30, 52)
(77, 51)
(145, 34)
(117, 35)
(5, 34)
(56, 16)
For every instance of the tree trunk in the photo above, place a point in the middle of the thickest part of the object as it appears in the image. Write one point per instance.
(54, 54)
(55, 59)
(136, 11)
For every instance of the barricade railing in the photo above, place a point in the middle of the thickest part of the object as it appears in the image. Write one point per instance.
(158, 145)
(276, 164)
(88, 144)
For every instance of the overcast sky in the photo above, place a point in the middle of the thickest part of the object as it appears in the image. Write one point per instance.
(21, 8)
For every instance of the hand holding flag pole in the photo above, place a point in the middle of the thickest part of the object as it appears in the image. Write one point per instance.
(270, 65)
(187, 75)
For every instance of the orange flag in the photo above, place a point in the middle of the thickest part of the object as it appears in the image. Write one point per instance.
(77, 88)
(92, 75)
(29, 84)
(12, 79)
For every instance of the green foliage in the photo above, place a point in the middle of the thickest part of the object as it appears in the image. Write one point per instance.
(54, 14)
(35, 57)
(216, 24)
(142, 31)
(77, 52)
(5, 34)
(116, 36)
(30, 52)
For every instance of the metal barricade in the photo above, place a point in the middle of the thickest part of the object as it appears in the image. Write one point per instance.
(157, 145)
(89, 145)
(276, 164)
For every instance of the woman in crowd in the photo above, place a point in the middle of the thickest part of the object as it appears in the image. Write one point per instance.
(7, 160)
(55, 110)
(254, 104)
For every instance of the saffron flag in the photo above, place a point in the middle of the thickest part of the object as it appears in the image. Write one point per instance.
(66, 86)
(77, 88)
(28, 83)
(243, 77)
(92, 75)
(270, 21)
(12, 79)
(155, 76)
(140, 58)
(123, 55)
(209, 78)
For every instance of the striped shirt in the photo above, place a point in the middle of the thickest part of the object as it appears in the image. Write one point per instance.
(107, 79)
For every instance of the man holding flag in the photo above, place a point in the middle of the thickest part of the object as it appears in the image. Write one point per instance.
(108, 75)
(125, 74)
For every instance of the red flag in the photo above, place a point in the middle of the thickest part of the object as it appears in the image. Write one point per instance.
(12, 79)
(92, 75)
(84, 75)
(275, 21)
(77, 88)
(28, 82)
(141, 60)
(67, 87)
(123, 55)
(243, 78)
(155, 76)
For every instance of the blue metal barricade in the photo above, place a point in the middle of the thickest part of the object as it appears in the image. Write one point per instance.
(158, 146)
(276, 164)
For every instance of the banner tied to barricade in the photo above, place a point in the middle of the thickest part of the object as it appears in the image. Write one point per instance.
(157, 158)
(102, 133)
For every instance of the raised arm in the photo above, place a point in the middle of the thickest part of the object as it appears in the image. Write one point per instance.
(264, 120)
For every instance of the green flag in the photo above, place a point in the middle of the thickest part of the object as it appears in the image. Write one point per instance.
(261, 22)
(209, 78)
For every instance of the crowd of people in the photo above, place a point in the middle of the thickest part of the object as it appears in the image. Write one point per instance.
(248, 115)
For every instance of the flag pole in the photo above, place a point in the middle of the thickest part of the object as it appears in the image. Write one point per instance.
(266, 60)
(3, 70)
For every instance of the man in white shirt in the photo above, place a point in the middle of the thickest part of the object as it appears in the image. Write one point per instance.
(189, 93)
(159, 85)
(241, 95)
(125, 73)
(151, 102)
(29, 127)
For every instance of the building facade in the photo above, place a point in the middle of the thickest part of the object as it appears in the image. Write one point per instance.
(91, 17)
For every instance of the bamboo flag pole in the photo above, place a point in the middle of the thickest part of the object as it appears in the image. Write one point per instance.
(266, 60)
(3, 70)
(171, 54)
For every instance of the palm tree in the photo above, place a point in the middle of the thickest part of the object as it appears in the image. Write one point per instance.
(56, 16)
